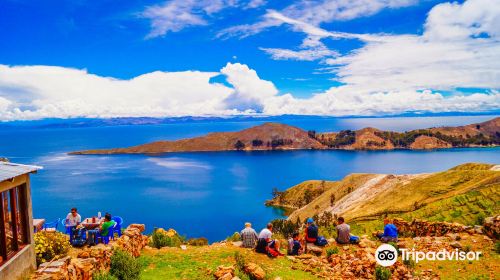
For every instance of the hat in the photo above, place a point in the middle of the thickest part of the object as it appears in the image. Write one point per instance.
(247, 224)
(310, 220)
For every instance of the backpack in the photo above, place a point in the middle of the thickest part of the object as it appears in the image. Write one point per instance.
(78, 240)
(261, 246)
(321, 241)
(271, 252)
(312, 232)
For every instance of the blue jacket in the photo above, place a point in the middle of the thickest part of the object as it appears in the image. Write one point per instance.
(390, 230)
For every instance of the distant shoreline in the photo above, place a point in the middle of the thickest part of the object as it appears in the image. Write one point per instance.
(282, 137)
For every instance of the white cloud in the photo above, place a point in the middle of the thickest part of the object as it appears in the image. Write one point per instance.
(175, 15)
(250, 92)
(390, 74)
(309, 15)
(256, 4)
(308, 54)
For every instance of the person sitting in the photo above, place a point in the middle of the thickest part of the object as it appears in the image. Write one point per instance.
(311, 231)
(390, 232)
(294, 246)
(248, 236)
(73, 219)
(344, 233)
(103, 229)
(265, 243)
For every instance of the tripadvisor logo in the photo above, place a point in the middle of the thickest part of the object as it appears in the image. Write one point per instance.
(387, 255)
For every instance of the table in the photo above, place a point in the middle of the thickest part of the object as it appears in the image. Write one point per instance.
(88, 223)
(38, 224)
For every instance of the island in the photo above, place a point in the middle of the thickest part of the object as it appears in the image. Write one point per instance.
(276, 136)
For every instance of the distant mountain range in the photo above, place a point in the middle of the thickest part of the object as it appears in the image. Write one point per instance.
(276, 136)
(98, 122)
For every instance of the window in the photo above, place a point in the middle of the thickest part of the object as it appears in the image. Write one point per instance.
(13, 222)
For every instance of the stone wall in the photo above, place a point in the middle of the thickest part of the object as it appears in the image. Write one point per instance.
(425, 228)
(90, 260)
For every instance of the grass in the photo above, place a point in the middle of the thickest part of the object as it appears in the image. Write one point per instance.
(201, 262)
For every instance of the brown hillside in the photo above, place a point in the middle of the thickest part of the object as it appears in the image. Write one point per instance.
(263, 137)
(488, 128)
(427, 142)
(366, 139)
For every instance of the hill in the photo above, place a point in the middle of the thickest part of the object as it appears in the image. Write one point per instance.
(464, 194)
(275, 136)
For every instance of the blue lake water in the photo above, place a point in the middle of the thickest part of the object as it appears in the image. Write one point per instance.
(202, 194)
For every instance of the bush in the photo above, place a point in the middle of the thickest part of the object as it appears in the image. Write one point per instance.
(332, 251)
(233, 238)
(102, 275)
(497, 247)
(382, 273)
(410, 263)
(202, 241)
(50, 245)
(162, 238)
(124, 266)
(284, 227)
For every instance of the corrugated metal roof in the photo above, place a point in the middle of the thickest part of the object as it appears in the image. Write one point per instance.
(9, 170)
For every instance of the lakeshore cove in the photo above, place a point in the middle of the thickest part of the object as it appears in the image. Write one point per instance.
(204, 194)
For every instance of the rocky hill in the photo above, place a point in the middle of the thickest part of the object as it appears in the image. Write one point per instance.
(275, 136)
(463, 193)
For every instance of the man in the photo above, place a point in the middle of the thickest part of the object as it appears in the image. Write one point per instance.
(73, 218)
(311, 231)
(390, 232)
(249, 236)
(294, 246)
(265, 242)
(103, 229)
(344, 233)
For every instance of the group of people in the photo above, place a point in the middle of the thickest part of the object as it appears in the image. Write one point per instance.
(263, 242)
(73, 223)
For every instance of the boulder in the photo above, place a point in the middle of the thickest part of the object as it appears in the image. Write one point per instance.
(254, 271)
(456, 245)
(140, 227)
(223, 270)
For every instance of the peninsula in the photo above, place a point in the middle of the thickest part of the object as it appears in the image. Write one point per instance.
(276, 136)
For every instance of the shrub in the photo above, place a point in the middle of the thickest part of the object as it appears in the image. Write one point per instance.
(410, 263)
(124, 266)
(50, 245)
(202, 241)
(382, 273)
(161, 238)
(480, 219)
(497, 247)
(332, 251)
(102, 275)
(467, 248)
(284, 227)
(233, 238)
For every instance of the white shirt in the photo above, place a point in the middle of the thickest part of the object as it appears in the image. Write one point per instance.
(73, 220)
(265, 233)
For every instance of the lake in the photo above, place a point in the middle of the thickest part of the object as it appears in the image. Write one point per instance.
(203, 194)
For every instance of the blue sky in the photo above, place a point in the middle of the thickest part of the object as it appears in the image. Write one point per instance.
(297, 57)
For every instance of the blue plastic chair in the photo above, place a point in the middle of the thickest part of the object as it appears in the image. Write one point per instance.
(52, 225)
(118, 226)
(105, 238)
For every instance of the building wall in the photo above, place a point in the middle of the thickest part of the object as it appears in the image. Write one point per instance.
(20, 265)
(24, 262)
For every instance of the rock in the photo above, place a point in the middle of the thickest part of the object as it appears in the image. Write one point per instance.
(254, 271)
(236, 278)
(311, 248)
(227, 276)
(223, 270)
(456, 245)
(401, 244)
(140, 227)
(237, 243)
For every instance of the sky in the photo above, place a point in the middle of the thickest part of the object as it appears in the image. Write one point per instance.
(138, 58)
